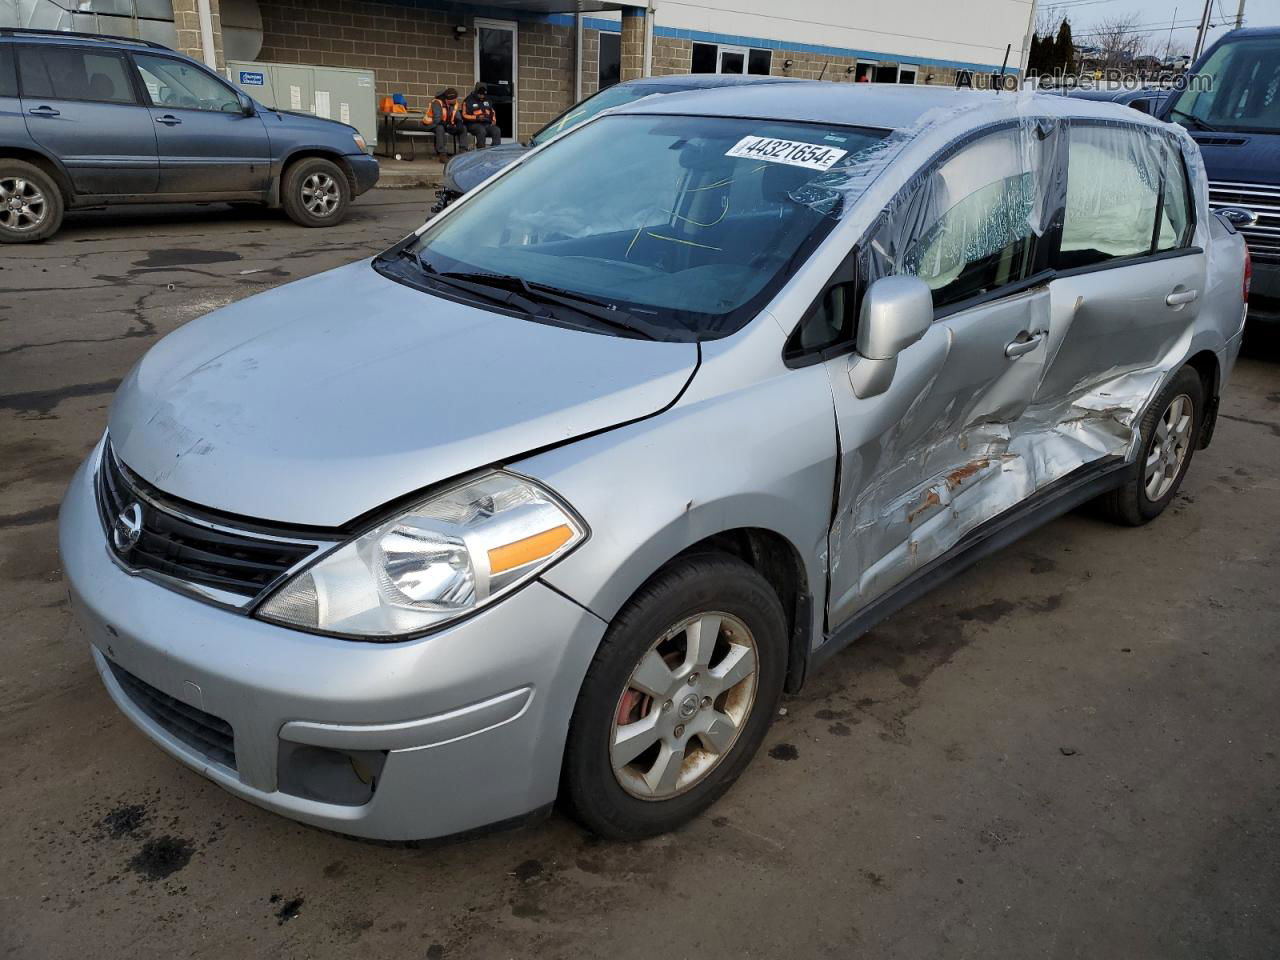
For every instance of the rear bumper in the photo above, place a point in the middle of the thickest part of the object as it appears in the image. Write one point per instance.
(366, 170)
(465, 727)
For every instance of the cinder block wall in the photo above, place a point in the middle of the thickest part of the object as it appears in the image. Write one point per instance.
(417, 51)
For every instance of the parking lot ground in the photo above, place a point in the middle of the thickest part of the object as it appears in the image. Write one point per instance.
(1071, 750)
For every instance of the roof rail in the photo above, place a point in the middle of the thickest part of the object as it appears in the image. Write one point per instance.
(73, 35)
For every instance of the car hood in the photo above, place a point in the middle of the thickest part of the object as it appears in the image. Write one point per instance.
(469, 169)
(326, 398)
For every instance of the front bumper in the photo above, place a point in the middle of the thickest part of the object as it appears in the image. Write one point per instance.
(366, 170)
(471, 720)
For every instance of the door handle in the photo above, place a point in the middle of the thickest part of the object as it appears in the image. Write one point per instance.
(43, 112)
(1023, 343)
(168, 121)
(1179, 297)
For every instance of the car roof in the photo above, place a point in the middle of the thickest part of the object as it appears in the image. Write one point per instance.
(705, 81)
(883, 106)
(27, 35)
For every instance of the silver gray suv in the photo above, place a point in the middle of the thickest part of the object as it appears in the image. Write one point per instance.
(556, 497)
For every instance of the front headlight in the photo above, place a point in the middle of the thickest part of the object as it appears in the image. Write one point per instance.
(364, 147)
(441, 559)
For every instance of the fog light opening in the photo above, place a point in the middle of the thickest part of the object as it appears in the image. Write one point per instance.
(345, 777)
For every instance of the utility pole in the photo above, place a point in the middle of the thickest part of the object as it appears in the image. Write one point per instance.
(1204, 29)
(1240, 15)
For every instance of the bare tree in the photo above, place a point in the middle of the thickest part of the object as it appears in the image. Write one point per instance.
(1118, 40)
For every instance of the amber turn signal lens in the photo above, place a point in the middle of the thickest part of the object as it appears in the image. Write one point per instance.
(512, 555)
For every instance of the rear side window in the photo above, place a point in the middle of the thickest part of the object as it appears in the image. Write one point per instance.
(1175, 204)
(1119, 181)
(8, 76)
(65, 73)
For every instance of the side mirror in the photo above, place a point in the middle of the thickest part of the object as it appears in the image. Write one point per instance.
(246, 105)
(896, 312)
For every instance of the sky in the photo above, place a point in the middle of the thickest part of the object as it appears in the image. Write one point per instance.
(1155, 16)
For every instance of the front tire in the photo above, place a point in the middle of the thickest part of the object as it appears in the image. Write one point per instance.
(31, 205)
(1170, 431)
(677, 700)
(315, 193)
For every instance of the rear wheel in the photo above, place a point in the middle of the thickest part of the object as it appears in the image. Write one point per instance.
(31, 204)
(1170, 430)
(678, 698)
(315, 193)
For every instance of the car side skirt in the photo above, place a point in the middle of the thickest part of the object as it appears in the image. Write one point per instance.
(1076, 488)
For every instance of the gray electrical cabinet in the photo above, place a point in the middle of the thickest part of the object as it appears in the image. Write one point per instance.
(334, 92)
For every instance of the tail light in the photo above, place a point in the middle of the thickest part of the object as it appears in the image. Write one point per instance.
(1248, 273)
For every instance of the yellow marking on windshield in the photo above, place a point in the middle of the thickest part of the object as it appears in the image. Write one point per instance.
(687, 243)
(639, 230)
(711, 186)
(724, 212)
(559, 125)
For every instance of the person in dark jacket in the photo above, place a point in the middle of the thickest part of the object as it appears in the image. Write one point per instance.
(480, 117)
(443, 117)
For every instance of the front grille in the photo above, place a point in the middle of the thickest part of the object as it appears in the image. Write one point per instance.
(204, 733)
(1264, 236)
(182, 547)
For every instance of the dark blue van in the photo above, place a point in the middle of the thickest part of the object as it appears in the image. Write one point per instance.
(1235, 117)
(89, 121)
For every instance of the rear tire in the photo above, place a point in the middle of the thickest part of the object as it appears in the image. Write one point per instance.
(31, 205)
(707, 638)
(1170, 431)
(315, 193)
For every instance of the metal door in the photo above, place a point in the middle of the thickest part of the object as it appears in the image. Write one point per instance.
(495, 62)
(208, 146)
(1127, 293)
(932, 457)
(81, 106)
(926, 462)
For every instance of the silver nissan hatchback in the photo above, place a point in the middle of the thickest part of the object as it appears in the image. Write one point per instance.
(556, 497)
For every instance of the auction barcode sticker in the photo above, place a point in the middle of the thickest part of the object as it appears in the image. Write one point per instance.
(815, 156)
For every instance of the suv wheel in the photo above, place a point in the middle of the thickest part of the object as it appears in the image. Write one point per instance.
(30, 203)
(678, 699)
(316, 193)
(1170, 431)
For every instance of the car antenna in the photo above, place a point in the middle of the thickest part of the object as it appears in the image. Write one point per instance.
(824, 70)
(1000, 83)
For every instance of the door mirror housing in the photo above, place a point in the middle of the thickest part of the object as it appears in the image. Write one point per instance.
(246, 105)
(896, 312)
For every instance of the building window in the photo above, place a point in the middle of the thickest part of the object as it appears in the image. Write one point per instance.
(864, 71)
(714, 58)
(907, 73)
(610, 59)
(886, 73)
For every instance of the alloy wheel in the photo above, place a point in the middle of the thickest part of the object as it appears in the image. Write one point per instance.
(23, 207)
(685, 704)
(1169, 447)
(320, 194)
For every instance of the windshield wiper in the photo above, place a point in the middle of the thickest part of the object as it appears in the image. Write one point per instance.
(484, 291)
(1195, 121)
(595, 309)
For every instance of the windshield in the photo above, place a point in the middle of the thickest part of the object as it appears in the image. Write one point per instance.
(1244, 94)
(688, 224)
(606, 99)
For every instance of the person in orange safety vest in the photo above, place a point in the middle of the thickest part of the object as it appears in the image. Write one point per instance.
(480, 117)
(443, 117)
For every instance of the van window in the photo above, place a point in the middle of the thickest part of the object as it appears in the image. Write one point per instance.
(177, 85)
(977, 206)
(1113, 187)
(65, 73)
